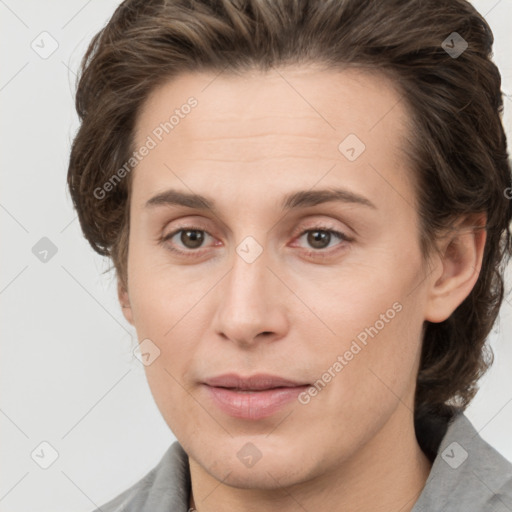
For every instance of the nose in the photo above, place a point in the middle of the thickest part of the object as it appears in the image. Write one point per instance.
(251, 303)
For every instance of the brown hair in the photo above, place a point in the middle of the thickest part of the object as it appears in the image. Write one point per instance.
(458, 144)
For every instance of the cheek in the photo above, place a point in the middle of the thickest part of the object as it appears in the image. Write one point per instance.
(167, 375)
(160, 294)
(380, 365)
(361, 383)
(365, 302)
(377, 320)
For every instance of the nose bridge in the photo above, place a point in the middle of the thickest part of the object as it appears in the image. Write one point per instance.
(249, 303)
(248, 279)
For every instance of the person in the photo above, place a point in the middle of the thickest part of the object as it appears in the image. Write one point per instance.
(306, 208)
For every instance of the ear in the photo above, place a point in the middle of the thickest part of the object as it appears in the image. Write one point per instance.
(460, 258)
(124, 301)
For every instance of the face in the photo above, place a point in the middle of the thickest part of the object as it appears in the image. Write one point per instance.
(305, 266)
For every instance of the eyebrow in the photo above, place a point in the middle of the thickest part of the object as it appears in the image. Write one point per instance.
(295, 200)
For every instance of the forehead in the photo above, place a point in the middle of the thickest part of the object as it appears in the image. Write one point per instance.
(283, 127)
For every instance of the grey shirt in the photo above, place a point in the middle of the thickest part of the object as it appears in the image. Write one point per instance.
(468, 475)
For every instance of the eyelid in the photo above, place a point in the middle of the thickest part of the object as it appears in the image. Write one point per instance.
(320, 225)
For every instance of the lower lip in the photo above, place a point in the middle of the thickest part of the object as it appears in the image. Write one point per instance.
(253, 405)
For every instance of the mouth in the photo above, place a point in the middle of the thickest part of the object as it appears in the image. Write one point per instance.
(254, 397)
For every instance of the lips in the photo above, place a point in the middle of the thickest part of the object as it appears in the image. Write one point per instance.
(254, 397)
(253, 383)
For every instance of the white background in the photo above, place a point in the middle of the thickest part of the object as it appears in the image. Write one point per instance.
(67, 371)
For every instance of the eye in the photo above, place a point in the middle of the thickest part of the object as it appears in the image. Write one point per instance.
(320, 237)
(191, 238)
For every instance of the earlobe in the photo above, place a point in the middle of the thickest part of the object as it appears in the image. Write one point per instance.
(124, 301)
(461, 259)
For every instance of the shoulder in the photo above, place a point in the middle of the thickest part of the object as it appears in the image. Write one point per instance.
(467, 475)
(166, 487)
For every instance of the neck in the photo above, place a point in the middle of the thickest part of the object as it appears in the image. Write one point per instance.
(387, 474)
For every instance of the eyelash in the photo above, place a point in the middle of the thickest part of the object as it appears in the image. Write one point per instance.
(322, 253)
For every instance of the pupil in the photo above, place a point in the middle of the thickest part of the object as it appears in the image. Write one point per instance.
(195, 238)
(319, 239)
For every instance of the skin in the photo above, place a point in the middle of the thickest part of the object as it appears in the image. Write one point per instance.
(251, 140)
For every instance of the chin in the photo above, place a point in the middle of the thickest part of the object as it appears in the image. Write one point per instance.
(255, 463)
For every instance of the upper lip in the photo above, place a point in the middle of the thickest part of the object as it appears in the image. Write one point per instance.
(252, 383)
